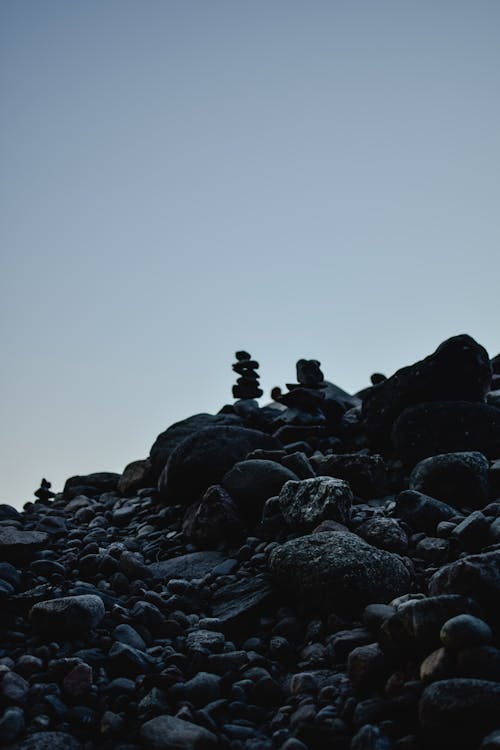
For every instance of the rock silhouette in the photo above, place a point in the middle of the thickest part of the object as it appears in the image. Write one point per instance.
(318, 572)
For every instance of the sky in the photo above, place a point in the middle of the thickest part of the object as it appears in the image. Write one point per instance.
(180, 179)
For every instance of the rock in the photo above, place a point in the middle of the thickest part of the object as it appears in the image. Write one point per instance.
(370, 737)
(415, 627)
(205, 640)
(48, 741)
(213, 519)
(480, 662)
(78, 681)
(309, 373)
(306, 503)
(171, 733)
(125, 633)
(247, 385)
(459, 479)
(430, 429)
(126, 661)
(251, 483)
(421, 512)
(167, 441)
(459, 712)
(439, 665)
(477, 576)
(472, 533)
(188, 567)
(465, 631)
(367, 667)
(338, 570)
(492, 741)
(203, 458)
(366, 475)
(69, 615)
(20, 546)
(459, 369)
(238, 605)
(201, 689)
(14, 688)
(11, 724)
(136, 475)
(90, 485)
(433, 549)
(385, 533)
(8, 513)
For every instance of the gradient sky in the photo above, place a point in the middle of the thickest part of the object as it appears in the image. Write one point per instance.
(181, 179)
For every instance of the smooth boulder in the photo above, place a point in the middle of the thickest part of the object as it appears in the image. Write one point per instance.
(250, 483)
(338, 571)
(69, 615)
(20, 546)
(459, 479)
(171, 733)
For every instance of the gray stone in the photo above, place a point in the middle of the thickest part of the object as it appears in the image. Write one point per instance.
(338, 570)
(250, 483)
(459, 479)
(125, 633)
(20, 546)
(421, 512)
(47, 741)
(477, 576)
(192, 565)
(304, 504)
(465, 631)
(171, 733)
(69, 615)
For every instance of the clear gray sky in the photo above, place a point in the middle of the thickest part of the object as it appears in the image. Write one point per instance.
(180, 179)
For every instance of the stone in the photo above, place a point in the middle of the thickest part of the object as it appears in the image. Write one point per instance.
(201, 689)
(415, 627)
(459, 369)
(250, 483)
(190, 566)
(385, 533)
(367, 667)
(309, 373)
(338, 570)
(472, 533)
(237, 606)
(480, 662)
(491, 741)
(90, 485)
(477, 576)
(136, 475)
(306, 503)
(421, 512)
(247, 385)
(465, 631)
(459, 479)
(173, 436)
(69, 615)
(11, 724)
(370, 737)
(20, 546)
(78, 681)
(430, 429)
(171, 733)
(439, 665)
(459, 712)
(14, 688)
(127, 661)
(213, 519)
(8, 513)
(202, 460)
(48, 741)
(366, 475)
(205, 640)
(125, 633)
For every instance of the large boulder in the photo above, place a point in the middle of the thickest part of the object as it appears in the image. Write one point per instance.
(20, 546)
(203, 458)
(459, 370)
(446, 427)
(136, 475)
(460, 479)
(250, 483)
(168, 440)
(91, 485)
(69, 615)
(305, 504)
(338, 571)
(459, 712)
(477, 576)
(421, 512)
(367, 475)
(213, 519)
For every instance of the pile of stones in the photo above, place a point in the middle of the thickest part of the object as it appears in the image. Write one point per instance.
(247, 385)
(318, 573)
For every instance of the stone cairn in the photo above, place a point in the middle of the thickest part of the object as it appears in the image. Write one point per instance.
(44, 493)
(247, 385)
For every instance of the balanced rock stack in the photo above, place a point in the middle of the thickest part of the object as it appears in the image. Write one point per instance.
(318, 573)
(247, 385)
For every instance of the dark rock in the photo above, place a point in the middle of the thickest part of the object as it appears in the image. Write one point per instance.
(459, 479)
(459, 712)
(416, 625)
(385, 533)
(421, 512)
(171, 733)
(78, 681)
(90, 485)
(491, 741)
(14, 688)
(203, 458)
(126, 661)
(472, 533)
(8, 513)
(251, 483)
(136, 475)
(480, 662)
(48, 741)
(433, 549)
(173, 436)
(477, 576)
(201, 689)
(304, 504)
(20, 546)
(69, 615)
(465, 631)
(338, 570)
(459, 369)
(439, 665)
(238, 605)
(309, 373)
(367, 667)
(192, 565)
(367, 475)
(299, 464)
(370, 737)
(11, 724)
(430, 429)
(213, 519)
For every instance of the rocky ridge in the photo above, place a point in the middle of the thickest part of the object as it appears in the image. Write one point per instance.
(322, 572)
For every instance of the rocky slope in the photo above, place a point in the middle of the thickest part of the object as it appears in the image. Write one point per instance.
(320, 572)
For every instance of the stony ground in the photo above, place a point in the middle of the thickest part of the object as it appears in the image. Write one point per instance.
(322, 572)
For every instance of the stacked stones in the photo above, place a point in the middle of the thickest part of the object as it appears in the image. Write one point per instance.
(247, 385)
(44, 493)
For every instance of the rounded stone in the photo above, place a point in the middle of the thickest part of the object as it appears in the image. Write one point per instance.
(465, 631)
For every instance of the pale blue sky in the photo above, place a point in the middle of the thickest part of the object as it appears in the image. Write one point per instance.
(182, 179)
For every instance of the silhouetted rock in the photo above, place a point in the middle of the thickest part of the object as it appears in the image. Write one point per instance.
(214, 518)
(247, 385)
(91, 484)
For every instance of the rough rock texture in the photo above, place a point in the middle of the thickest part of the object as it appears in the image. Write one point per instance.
(70, 614)
(18, 545)
(455, 478)
(338, 570)
(306, 503)
(171, 733)
(477, 576)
